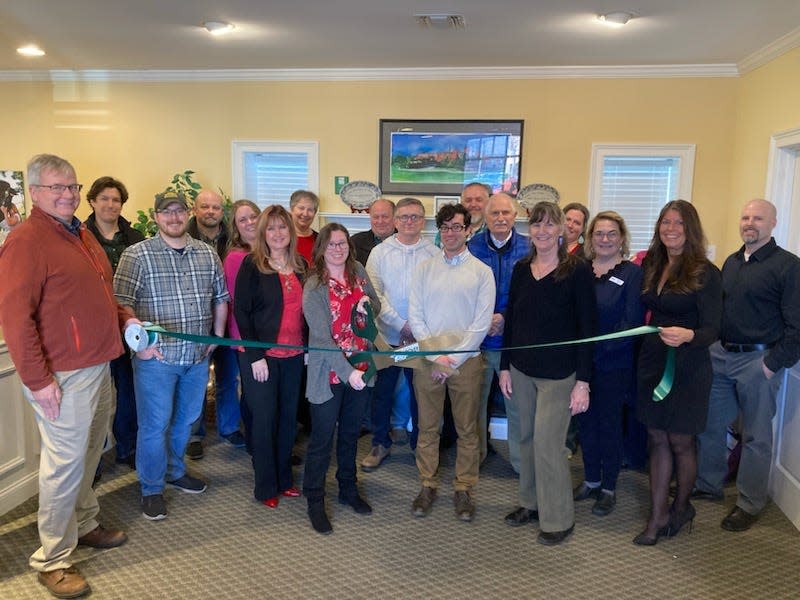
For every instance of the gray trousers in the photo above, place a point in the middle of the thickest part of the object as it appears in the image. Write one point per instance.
(492, 366)
(739, 386)
(544, 479)
(70, 450)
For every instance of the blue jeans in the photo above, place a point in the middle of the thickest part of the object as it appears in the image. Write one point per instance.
(345, 408)
(382, 402)
(170, 399)
(226, 373)
(125, 418)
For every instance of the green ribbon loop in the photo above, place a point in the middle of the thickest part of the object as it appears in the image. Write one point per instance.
(369, 331)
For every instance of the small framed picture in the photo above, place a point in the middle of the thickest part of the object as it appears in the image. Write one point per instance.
(440, 201)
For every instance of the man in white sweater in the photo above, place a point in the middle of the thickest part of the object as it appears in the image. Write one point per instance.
(390, 267)
(452, 293)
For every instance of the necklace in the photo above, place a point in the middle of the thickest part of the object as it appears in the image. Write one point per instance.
(278, 266)
(540, 271)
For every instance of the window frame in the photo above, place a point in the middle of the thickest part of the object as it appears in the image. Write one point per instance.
(240, 147)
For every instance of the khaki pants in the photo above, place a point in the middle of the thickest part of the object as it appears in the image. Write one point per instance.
(544, 480)
(465, 391)
(70, 451)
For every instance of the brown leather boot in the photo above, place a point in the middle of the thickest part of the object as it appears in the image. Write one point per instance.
(64, 583)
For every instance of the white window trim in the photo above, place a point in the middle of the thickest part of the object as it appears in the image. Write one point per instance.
(600, 151)
(240, 147)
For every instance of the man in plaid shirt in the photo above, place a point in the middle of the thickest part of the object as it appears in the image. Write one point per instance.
(177, 282)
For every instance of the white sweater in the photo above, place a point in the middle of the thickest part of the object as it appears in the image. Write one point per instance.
(390, 268)
(452, 299)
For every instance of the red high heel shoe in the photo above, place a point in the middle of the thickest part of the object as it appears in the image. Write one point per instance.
(271, 502)
(291, 492)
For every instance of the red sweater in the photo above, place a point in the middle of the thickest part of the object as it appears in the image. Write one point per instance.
(57, 306)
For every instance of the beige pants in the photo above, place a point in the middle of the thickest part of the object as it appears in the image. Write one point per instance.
(70, 451)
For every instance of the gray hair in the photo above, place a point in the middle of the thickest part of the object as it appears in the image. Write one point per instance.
(409, 201)
(47, 162)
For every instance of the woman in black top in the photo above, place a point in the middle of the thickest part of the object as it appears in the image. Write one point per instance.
(551, 299)
(268, 306)
(684, 292)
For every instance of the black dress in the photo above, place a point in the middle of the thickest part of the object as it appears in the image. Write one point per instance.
(685, 408)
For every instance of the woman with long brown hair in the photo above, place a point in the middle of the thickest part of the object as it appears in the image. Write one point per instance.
(683, 289)
(550, 300)
(268, 306)
(336, 387)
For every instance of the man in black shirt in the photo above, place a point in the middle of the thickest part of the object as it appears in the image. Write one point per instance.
(760, 337)
(381, 222)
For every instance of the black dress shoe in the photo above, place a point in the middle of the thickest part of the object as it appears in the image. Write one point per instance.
(584, 492)
(319, 520)
(604, 504)
(553, 538)
(357, 503)
(738, 520)
(645, 540)
(521, 516)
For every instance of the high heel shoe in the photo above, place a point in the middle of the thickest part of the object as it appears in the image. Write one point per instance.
(678, 520)
(271, 502)
(645, 540)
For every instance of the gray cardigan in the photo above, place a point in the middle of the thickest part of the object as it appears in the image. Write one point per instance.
(317, 311)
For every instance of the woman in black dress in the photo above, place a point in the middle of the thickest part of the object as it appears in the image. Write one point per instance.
(684, 292)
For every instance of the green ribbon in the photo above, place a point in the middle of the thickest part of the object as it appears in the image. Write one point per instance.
(369, 331)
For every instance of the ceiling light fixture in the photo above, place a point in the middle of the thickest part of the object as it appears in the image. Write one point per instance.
(440, 21)
(218, 27)
(616, 19)
(30, 50)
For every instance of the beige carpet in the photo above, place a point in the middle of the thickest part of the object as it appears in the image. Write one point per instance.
(222, 544)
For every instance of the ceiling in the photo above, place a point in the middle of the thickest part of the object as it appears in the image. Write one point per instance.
(382, 34)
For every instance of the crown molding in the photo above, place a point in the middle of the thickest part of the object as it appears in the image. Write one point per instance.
(771, 51)
(397, 74)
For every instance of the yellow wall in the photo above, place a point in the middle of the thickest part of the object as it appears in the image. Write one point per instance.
(142, 133)
(768, 103)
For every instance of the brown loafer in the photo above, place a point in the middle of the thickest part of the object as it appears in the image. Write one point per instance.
(64, 583)
(100, 537)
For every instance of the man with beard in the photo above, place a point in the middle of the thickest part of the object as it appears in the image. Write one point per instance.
(177, 282)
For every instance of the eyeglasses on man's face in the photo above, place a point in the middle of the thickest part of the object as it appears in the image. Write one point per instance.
(59, 188)
(457, 228)
(409, 218)
(172, 212)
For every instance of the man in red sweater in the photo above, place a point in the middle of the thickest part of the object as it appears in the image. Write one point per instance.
(62, 326)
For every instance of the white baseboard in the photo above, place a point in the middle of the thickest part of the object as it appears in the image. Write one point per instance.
(19, 492)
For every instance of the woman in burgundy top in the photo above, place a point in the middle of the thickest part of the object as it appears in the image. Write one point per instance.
(268, 307)
(304, 205)
(576, 218)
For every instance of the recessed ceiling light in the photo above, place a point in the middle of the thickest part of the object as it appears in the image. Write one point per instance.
(616, 19)
(30, 50)
(218, 27)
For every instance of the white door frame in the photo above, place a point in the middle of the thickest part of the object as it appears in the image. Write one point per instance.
(783, 189)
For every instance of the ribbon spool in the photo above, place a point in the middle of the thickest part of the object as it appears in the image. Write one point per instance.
(138, 338)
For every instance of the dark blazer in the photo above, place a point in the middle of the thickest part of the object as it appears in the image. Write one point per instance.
(258, 306)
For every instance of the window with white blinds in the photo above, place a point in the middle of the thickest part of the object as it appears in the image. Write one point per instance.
(268, 172)
(636, 182)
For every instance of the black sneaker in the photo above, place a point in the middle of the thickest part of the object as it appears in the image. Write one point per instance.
(188, 484)
(154, 508)
(584, 492)
(194, 450)
(235, 439)
(356, 502)
(604, 504)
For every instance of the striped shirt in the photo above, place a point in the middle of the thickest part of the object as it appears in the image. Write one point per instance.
(174, 289)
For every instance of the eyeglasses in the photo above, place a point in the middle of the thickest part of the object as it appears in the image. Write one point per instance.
(410, 218)
(609, 235)
(454, 228)
(337, 245)
(175, 212)
(59, 188)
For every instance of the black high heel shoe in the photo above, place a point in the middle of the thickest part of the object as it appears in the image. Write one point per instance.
(678, 520)
(645, 540)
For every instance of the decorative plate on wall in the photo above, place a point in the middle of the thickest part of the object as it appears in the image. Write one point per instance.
(359, 195)
(537, 192)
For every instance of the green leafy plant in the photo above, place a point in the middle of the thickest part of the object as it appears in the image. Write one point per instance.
(183, 184)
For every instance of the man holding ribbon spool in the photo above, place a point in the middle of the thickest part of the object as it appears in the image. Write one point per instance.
(62, 326)
(452, 295)
(178, 283)
(760, 338)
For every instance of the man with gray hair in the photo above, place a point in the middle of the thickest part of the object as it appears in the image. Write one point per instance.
(760, 338)
(62, 326)
(499, 246)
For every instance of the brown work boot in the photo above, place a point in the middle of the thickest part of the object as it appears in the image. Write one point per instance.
(374, 459)
(64, 583)
(100, 537)
(423, 502)
(463, 505)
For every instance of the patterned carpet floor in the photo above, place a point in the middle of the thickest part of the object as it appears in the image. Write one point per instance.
(223, 544)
